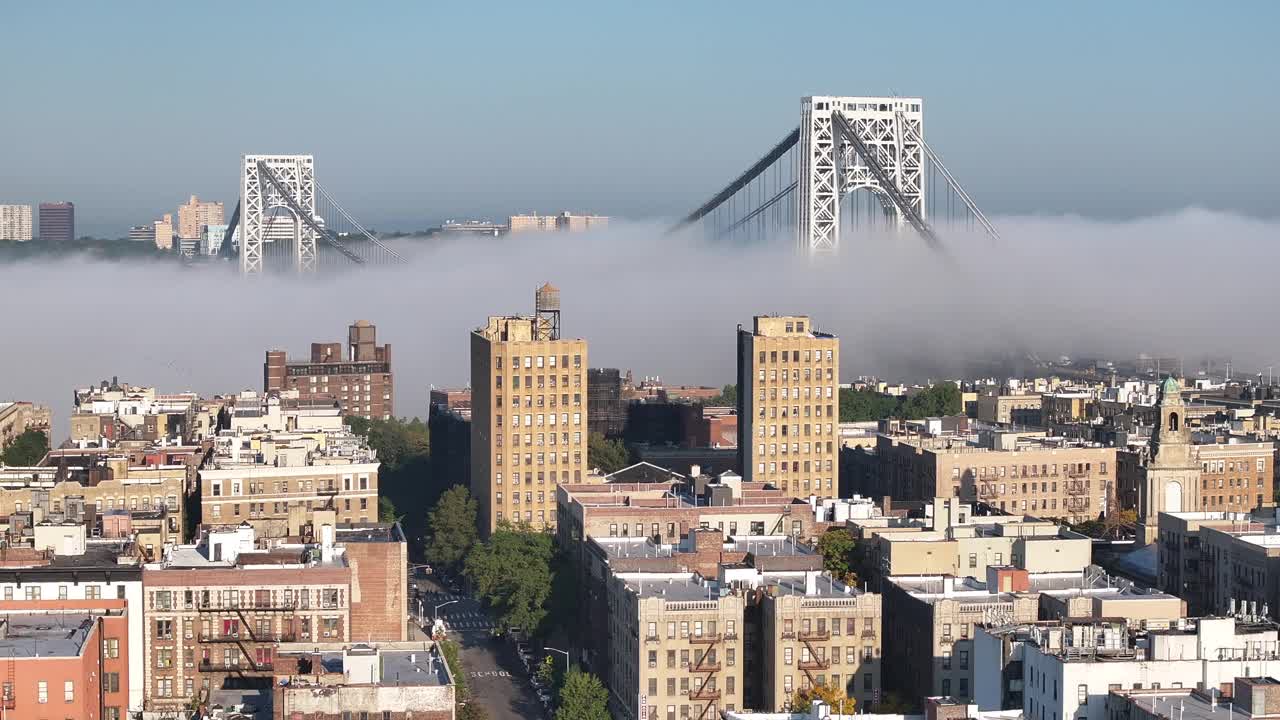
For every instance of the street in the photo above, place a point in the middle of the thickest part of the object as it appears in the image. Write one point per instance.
(495, 675)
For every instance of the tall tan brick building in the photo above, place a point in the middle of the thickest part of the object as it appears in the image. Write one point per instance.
(528, 414)
(788, 423)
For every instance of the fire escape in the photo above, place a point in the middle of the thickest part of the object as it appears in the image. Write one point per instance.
(243, 633)
(816, 660)
(704, 667)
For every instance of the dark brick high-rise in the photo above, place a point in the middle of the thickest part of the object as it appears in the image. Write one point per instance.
(361, 379)
(57, 221)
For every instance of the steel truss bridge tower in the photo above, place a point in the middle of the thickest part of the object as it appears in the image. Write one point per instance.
(805, 185)
(285, 220)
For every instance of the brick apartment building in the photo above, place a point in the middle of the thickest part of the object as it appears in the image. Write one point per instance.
(360, 378)
(219, 610)
(81, 668)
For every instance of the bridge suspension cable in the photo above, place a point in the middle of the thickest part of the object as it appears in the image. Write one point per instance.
(955, 185)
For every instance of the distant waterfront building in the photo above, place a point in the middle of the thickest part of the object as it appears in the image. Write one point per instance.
(143, 233)
(787, 422)
(467, 227)
(195, 215)
(15, 222)
(565, 222)
(529, 414)
(361, 379)
(164, 232)
(211, 239)
(57, 221)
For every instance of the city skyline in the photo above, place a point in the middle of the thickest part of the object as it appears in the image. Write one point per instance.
(1113, 93)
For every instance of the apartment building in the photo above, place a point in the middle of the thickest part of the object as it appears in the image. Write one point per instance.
(113, 499)
(1245, 698)
(1067, 680)
(962, 545)
(65, 658)
(219, 610)
(675, 647)
(1065, 407)
(388, 681)
(359, 378)
(818, 631)
(788, 374)
(57, 221)
(21, 416)
(528, 414)
(270, 480)
(164, 232)
(1010, 409)
(1235, 476)
(1048, 477)
(15, 223)
(115, 412)
(195, 215)
(1221, 562)
(564, 222)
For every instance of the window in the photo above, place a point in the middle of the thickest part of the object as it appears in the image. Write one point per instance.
(68, 691)
(42, 692)
(112, 648)
(1082, 694)
(110, 682)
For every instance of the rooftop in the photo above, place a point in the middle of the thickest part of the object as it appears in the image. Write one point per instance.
(41, 636)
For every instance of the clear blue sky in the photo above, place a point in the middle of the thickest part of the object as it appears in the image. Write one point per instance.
(417, 111)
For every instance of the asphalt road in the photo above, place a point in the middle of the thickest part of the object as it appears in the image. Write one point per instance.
(497, 679)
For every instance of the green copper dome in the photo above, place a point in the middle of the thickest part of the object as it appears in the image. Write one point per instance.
(1169, 386)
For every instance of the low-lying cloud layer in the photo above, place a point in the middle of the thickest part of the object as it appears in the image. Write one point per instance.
(1189, 283)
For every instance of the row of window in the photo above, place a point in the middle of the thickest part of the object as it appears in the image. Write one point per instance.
(258, 510)
(528, 516)
(793, 375)
(1043, 470)
(772, 356)
(850, 654)
(539, 361)
(135, 503)
(249, 599)
(1217, 466)
(773, 449)
(542, 478)
(543, 382)
(279, 487)
(538, 439)
(33, 592)
(794, 466)
(803, 392)
(531, 459)
(795, 431)
(550, 419)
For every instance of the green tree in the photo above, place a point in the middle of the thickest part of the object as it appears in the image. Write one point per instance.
(453, 658)
(832, 695)
(547, 672)
(387, 510)
(583, 697)
(607, 455)
(512, 575)
(26, 449)
(728, 396)
(397, 440)
(940, 399)
(864, 405)
(451, 527)
(837, 549)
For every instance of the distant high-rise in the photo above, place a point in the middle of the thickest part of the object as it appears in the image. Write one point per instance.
(360, 379)
(164, 232)
(15, 222)
(788, 425)
(195, 215)
(57, 221)
(143, 233)
(528, 415)
(564, 222)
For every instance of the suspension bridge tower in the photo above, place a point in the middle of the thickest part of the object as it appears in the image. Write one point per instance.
(891, 133)
(271, 208)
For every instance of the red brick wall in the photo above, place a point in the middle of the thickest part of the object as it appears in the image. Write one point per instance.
(379, 590)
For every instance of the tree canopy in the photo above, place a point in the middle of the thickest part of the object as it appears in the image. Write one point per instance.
(583, 697)
(728, 396)
(397, 440)
(607, 455)
(451, 527)
(837, 549)
(26, 449)
(512, 575)
(861, 405)
(832, 695)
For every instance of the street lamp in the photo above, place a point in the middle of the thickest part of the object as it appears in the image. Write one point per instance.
(436, 613)
(565, 653)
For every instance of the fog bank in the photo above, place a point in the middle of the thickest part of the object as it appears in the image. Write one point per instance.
(1190, 283)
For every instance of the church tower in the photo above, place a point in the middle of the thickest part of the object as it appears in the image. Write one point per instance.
(1171, 473)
